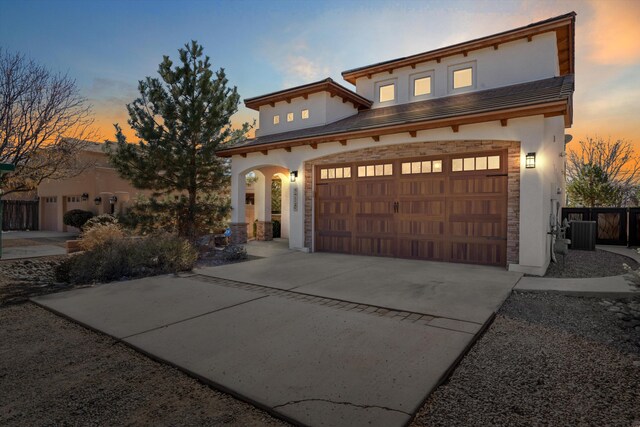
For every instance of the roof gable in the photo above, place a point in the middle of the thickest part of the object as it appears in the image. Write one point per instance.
(563, 25)
(326, 85)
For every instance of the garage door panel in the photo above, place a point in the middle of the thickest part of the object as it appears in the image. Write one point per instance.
(331, 243)
(421, 187)
(468, 252)
(375, 246)
(481, 186)
(372, 189)
(427, 249)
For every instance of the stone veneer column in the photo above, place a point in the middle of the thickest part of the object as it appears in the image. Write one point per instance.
(264, 230)
(238, 233)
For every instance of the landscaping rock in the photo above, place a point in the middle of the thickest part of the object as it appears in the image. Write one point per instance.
(596, 263)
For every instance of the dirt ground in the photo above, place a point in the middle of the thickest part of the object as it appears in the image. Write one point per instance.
(54, 372)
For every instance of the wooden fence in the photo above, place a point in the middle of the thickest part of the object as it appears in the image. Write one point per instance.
(19, 215)
(614, 226)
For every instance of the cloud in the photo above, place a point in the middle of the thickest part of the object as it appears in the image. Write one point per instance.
(614, 33)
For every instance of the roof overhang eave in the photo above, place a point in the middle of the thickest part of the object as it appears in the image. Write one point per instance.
(548, 109)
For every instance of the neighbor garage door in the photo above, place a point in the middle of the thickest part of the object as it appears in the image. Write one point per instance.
(444, 208)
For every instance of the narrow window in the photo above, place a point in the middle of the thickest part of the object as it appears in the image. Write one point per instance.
(387, 93)
(493, 162)
(456, 165)
(289, 117)
(305, 114)
(276, 119)
(463, 78)
(422, 86)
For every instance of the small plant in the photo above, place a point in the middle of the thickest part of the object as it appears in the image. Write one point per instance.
(234, 253)
(100, 220)
(76, 218)
(100, 234)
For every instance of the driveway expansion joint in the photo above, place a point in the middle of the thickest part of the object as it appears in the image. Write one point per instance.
(335, 402)
(372, 310)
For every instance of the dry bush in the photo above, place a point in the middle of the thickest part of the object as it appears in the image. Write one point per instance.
(100, 234)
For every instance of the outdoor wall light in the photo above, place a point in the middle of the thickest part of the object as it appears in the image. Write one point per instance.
(113, 200)
(85, 197)
(530, 160)
(293, 175)
(98, 201)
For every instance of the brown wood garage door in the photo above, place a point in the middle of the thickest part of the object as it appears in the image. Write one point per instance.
(444, 208)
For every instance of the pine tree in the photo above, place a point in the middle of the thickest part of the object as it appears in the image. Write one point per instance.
(182, 118)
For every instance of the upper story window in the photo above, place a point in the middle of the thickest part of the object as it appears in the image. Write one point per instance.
(289, 117)
(305, 114)
(276, 119)
(462, 77)
(421, 85)
(386, 91)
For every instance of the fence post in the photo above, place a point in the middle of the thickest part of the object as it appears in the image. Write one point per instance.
(4, 168)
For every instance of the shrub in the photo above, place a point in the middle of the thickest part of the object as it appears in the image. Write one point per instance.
(76, 217)
(100, 220)
(234, 253)
(116, 258)
(100, 234)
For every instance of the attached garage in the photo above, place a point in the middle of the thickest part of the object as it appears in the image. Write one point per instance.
(446, 208)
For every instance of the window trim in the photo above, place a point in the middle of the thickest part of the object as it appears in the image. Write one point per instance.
(417, 76)
(384, 83)
(462, 66)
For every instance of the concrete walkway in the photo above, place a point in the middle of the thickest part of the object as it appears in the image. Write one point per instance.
(320, 339)
(33, 244)
(612, 286)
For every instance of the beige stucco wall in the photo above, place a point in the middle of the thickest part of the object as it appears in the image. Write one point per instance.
(100, 180)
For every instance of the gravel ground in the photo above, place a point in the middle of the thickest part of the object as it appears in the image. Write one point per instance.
(596, 263)
(54, 372)
(25, 278)
(547, 359)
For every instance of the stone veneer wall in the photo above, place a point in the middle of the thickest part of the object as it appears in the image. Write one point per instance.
(264, 230)
(428, 149)
(238, 233)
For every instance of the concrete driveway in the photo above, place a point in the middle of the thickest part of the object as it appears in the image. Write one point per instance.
(319, 339)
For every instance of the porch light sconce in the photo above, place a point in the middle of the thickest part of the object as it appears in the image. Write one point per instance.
(98, 201)
(293, 175)
(113, 200)
(530, 161)
(85, 197)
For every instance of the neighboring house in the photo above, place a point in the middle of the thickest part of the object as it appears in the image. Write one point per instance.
(98, 189)
(455, 154)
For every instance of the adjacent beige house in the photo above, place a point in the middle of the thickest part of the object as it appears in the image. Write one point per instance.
(98, 189)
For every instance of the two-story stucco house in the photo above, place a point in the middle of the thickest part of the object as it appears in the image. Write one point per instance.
(455, 154)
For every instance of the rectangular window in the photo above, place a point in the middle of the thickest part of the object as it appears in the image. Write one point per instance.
(481, 163)
(276, 119)
(463, 78)
(335, 173)
(475, 163)
(469, 164)
(375, 170)
(387, 93)
(289, 117)
(493, 162)
(427, 166)
(305, 114)
(422, 86)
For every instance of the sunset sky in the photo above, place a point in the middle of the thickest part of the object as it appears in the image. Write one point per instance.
(107, 46)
